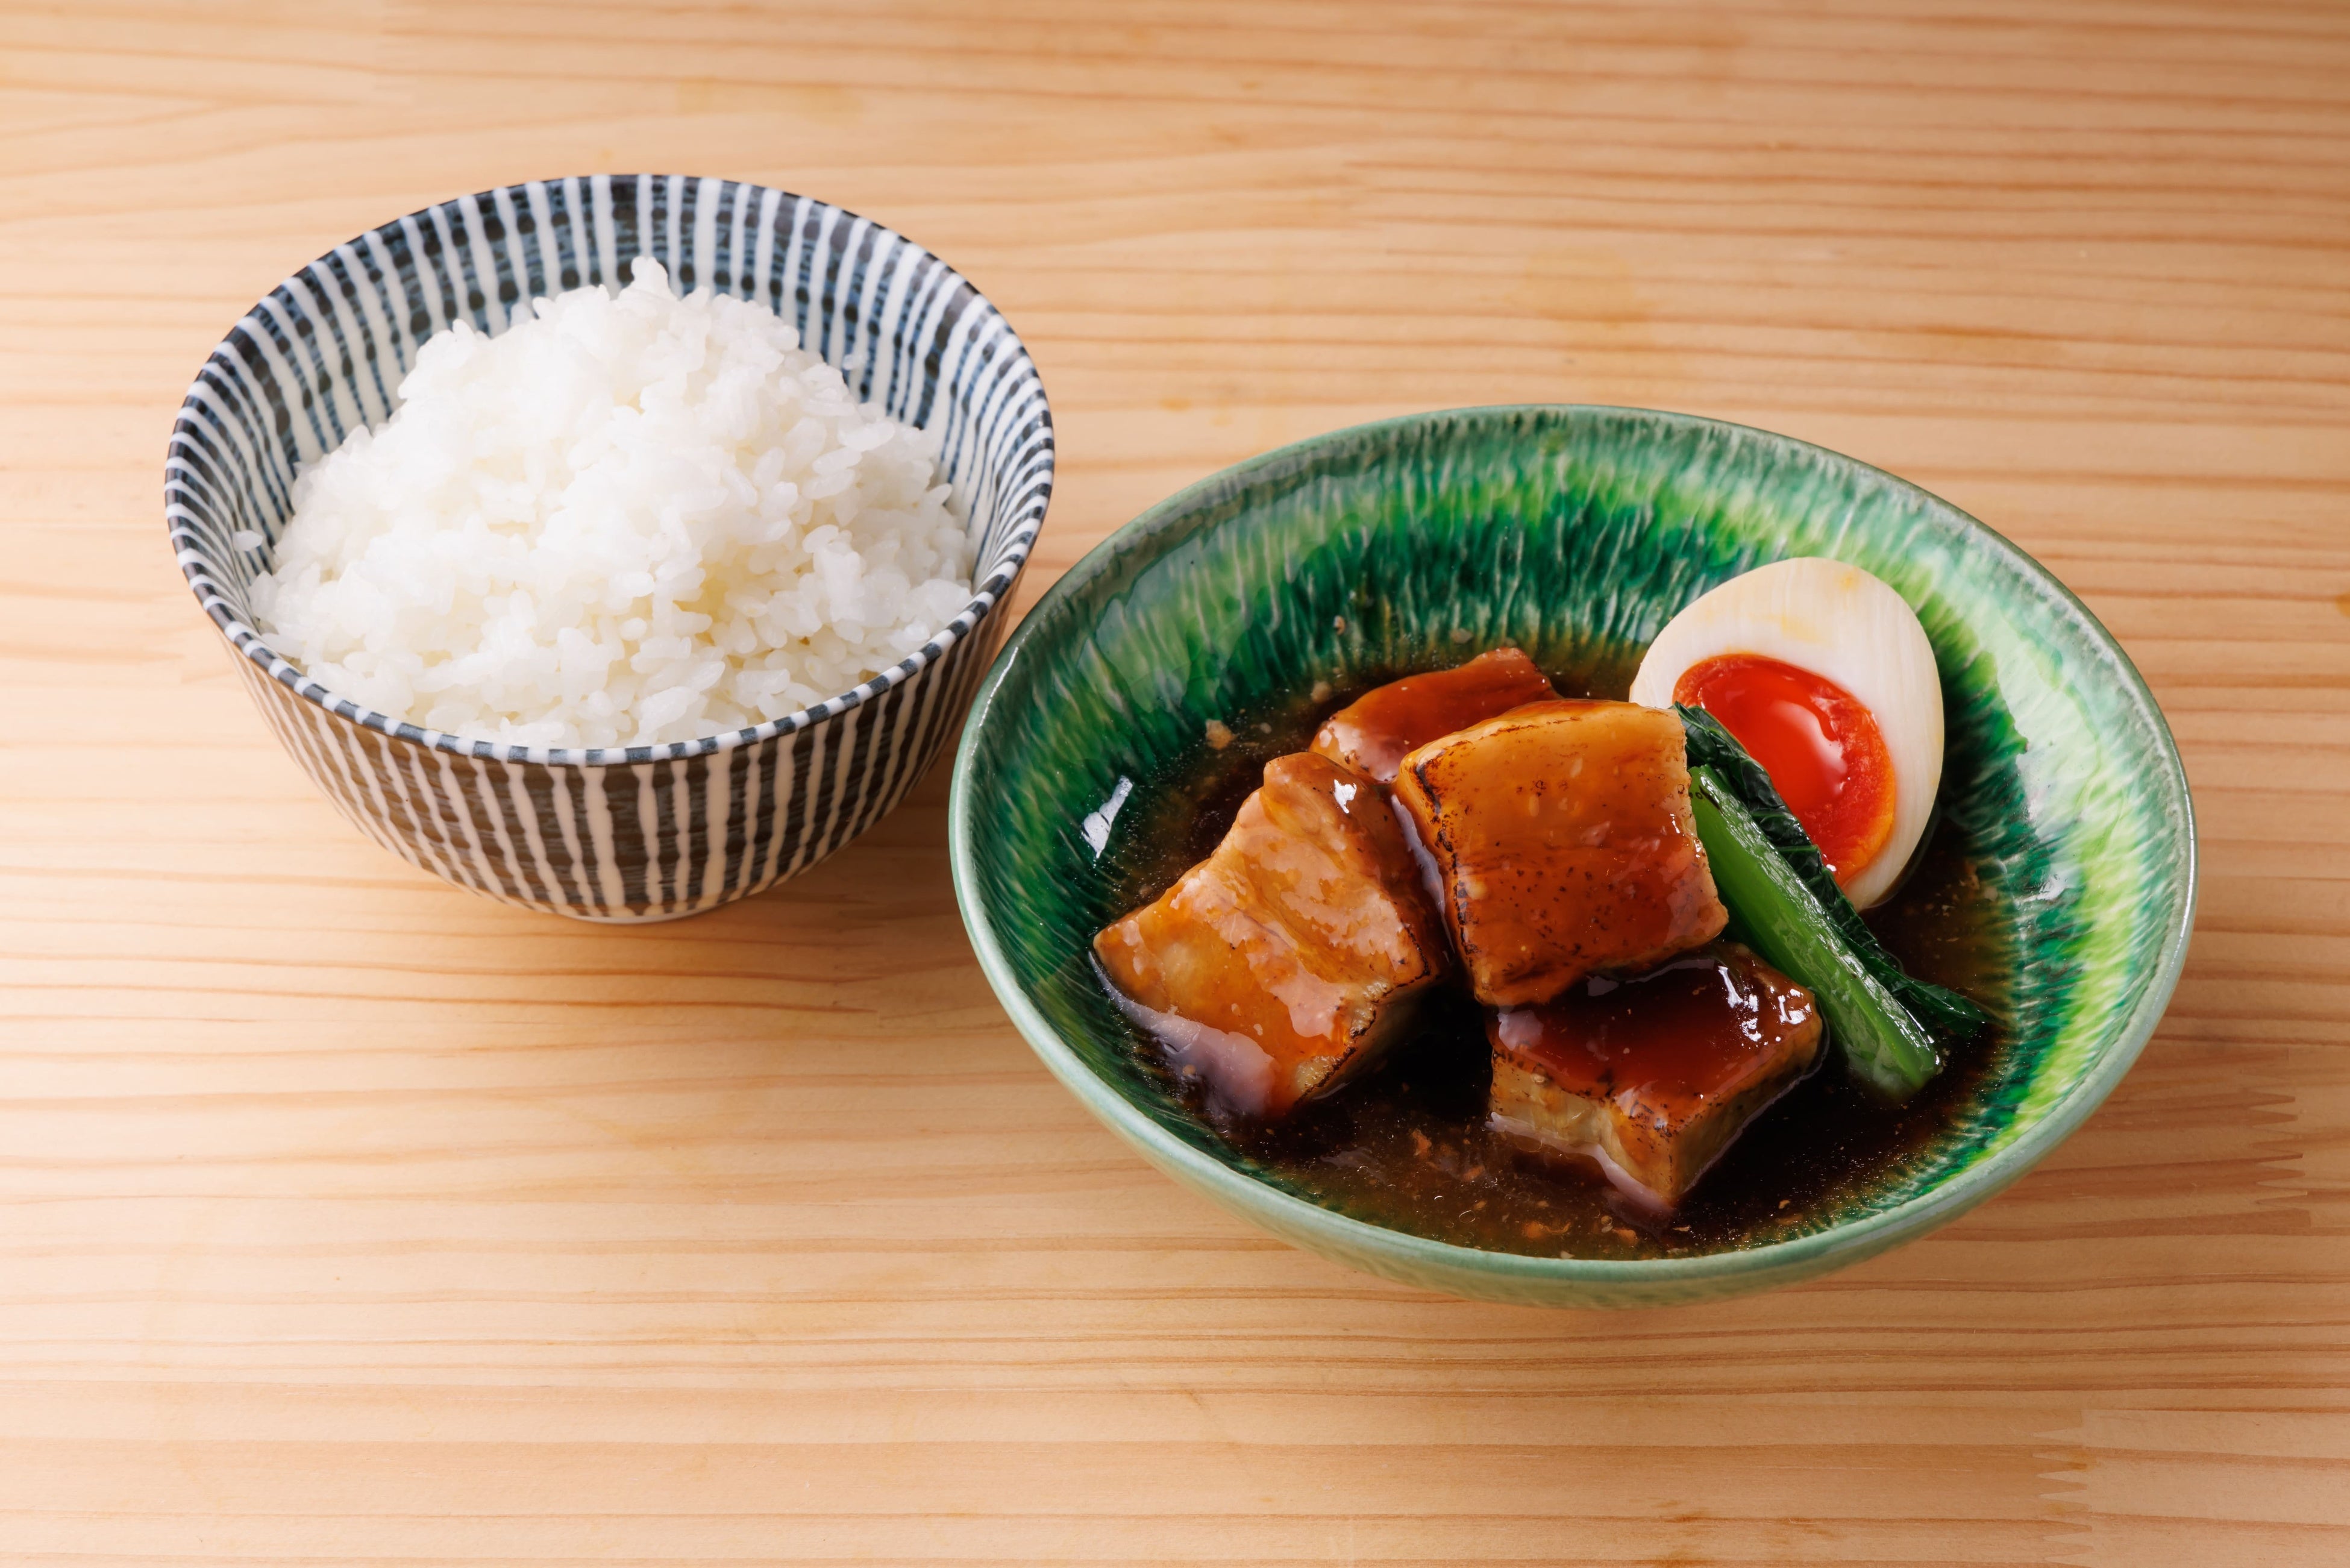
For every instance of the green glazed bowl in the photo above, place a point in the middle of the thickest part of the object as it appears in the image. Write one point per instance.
(1574, 532)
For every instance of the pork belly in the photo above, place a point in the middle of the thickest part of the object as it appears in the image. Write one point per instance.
(1563, 844)
(1285, 961)
(1653, 1077)
(1372, 734)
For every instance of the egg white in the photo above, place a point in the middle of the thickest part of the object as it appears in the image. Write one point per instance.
(1839, 622)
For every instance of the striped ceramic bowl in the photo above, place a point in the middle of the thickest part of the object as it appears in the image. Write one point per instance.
(636, 833)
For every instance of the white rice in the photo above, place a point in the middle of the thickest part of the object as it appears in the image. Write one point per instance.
(627, 521)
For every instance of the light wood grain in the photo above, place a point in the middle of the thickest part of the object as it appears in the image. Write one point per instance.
(347, 1219)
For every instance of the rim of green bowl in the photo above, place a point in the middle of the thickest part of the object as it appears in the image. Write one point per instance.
(1861, 1237)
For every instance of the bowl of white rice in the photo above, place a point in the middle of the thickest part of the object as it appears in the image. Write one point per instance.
(614, 546)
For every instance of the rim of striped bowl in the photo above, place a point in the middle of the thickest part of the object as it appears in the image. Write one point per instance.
(1027, 482)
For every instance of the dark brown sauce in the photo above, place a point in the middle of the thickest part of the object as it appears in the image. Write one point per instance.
(1406, 1147)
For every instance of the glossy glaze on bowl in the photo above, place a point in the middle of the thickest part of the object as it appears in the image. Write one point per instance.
(625, 832)
(1574, 532)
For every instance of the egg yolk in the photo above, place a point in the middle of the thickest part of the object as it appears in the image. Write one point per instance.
(1820, 745)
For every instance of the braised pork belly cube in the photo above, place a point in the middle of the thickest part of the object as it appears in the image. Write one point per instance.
(1285, 961)
(1653, 1077)
(1563, 844)
(1372, 734)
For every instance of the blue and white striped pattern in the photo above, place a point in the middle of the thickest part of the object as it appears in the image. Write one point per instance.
(637, 833)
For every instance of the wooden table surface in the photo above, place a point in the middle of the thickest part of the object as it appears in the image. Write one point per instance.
(348, 1219)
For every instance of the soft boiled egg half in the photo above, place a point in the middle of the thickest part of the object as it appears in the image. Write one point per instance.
(1823, 674)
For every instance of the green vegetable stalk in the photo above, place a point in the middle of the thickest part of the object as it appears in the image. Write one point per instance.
(1777, 915)
(1949, 1016)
